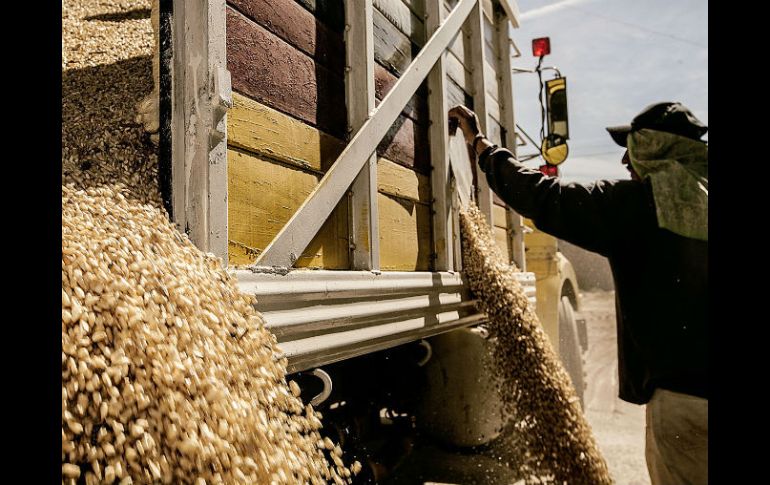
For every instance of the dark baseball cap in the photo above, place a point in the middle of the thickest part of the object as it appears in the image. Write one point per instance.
(669, 117)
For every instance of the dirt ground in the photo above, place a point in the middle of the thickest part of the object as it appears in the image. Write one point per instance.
(618, 426)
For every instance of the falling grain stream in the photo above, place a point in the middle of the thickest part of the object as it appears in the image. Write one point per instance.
(554, 439)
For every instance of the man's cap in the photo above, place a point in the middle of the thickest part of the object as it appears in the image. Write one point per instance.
(669, 117)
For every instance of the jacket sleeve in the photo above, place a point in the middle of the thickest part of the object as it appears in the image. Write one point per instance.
(590, 216)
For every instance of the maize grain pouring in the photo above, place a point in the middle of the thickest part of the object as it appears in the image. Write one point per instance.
(535, 390)
(168, 374)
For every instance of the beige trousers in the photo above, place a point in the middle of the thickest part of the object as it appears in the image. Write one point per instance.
(677, 439)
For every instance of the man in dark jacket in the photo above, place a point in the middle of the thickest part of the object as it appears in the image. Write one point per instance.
(654, 231)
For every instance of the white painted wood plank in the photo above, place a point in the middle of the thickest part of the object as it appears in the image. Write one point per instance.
(305, 223)
(402, 17)
(359, 87)
(508, 121)
(511, 8)
(438, 136)
(199, 176)
(455, 94)
(476, 27)
(458, 73)
(221, 100)
(490, 78)
(493, 108)
(487, 8)
(416, 6)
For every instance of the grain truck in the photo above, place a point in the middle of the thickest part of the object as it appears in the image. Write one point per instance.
(305, 142)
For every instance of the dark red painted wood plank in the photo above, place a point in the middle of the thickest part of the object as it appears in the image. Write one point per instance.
(406, 143)
(416, 108)
(330, 12)
(269, 70)
(299, 27)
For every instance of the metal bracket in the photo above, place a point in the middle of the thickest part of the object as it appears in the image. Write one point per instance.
(327, 390)
(428, 353)
(222, 102)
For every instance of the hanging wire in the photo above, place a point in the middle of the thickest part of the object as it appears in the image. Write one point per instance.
(540, 98)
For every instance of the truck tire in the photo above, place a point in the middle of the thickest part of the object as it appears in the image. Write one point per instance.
(569, 346)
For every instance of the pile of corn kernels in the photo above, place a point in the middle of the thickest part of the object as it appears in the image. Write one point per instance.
(168, 375)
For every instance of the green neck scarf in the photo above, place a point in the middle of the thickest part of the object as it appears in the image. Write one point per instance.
(678, 170)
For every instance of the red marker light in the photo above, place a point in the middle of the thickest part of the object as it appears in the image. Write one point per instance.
(541, 47)
(550, 170)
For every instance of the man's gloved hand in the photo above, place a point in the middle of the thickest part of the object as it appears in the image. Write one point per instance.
(467, 121)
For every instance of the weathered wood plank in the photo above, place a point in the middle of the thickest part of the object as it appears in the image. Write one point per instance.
(406, 143)
(330, 12)
(392, 48)
(257, 128)
(457, 48)
(490, 81)
(439, 141)
(460, 46)
(476, 41)
(457, 96)
(493, 107)
(497, 200)
(399, 181)
(403, 18)
(510, 10)
(490, 41)
(298, 27)
(494, 131)
(488, 8)
(449, 5)
(263, 195)
(458, 73)
(259, 62)
(416, 6)
(499, 216)
(508, 121)
(359, 85)
(405, 234)
(416, 108)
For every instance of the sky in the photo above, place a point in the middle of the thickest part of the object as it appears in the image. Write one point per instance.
(618, 57)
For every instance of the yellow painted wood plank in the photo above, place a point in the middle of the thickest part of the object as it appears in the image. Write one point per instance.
(499, 216)
(400, 181)
(254, 127)
(405, 234)
(262, 196)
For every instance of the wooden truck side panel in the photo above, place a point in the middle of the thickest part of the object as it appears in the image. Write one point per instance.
(288, 125)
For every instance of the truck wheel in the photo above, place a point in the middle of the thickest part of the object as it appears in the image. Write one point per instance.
(569, 346)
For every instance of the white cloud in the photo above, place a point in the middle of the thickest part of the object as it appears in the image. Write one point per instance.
(549, 9)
